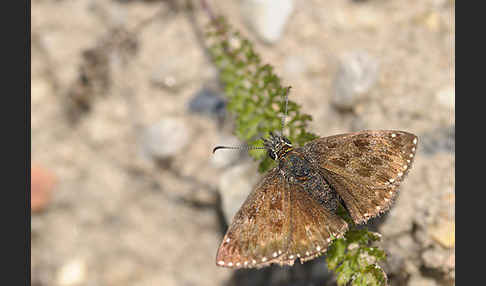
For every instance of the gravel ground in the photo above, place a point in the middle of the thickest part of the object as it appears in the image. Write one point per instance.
(134, 195)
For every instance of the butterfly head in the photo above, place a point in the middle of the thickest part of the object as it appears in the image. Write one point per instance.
(277, 146)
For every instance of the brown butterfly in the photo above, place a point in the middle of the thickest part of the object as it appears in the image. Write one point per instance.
(291, 213)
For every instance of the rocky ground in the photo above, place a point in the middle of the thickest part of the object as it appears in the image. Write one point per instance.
(126, 110)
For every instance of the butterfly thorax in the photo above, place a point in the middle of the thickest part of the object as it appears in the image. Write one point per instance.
(296, 169)
(277, 146)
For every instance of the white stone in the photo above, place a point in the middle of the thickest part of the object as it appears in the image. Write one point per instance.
(164, 138)
(357, 73)
(267, 17)
(446, 97)
(72, 273)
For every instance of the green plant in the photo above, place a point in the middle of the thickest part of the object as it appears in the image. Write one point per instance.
(255, 98)
(254, 92)
(354, 260)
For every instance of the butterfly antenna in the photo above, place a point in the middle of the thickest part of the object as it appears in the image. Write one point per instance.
(285, 109)
(246, 148)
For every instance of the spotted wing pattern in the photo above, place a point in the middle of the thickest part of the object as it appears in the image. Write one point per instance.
(260, 230)
(278, 223)
(365, 168)
(313, 227)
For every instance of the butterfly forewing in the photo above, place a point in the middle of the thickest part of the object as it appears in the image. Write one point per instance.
(365, 168)
(260, 230)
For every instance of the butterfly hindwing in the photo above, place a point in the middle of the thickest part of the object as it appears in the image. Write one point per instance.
(313, 226)
(365, 168)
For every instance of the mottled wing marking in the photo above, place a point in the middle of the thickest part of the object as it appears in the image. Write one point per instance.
(313, 227)
(259, 233)
(365, 167)
(298, 228)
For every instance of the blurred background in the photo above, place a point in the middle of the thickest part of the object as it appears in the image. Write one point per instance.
(127, 106)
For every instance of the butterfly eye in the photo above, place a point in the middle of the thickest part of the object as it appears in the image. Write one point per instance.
(271, 154)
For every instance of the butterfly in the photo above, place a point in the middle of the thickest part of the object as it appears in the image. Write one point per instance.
(291, 212)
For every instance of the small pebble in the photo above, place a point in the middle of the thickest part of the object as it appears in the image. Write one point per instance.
(267, 17)
(357, 73)
(42, 184)
(164, 138)
(444, 233)
(208, 101)
(437, 140)
(446, 97)
(72, 273)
